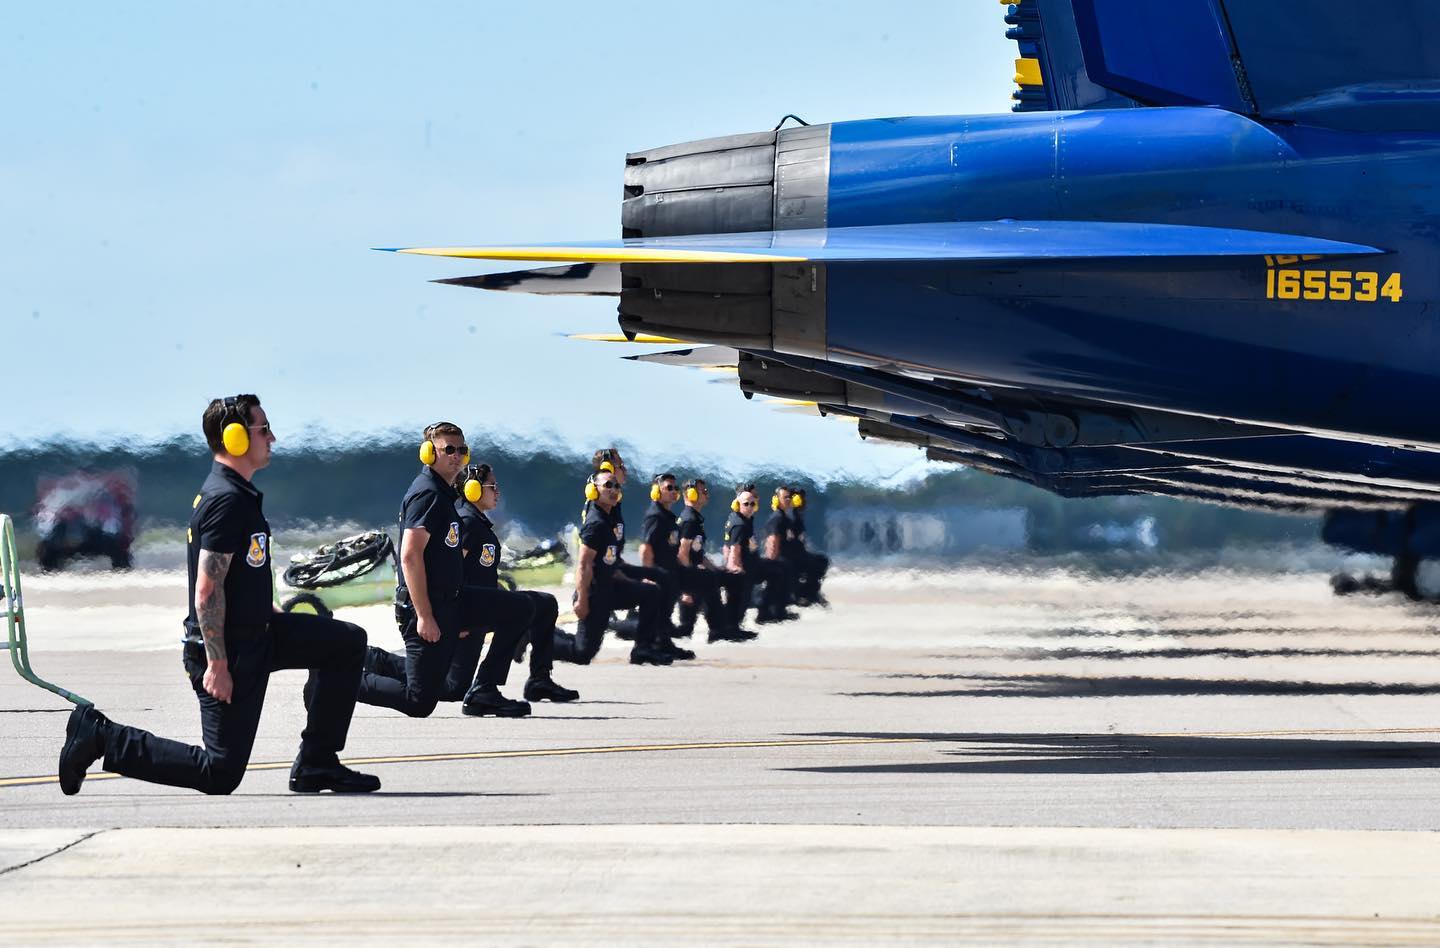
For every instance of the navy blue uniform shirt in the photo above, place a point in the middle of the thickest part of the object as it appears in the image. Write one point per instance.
(661, 529)
(481, 546)
(226, 518)
(430, 504)
(740, 531)
(692, 533)
(600, 533)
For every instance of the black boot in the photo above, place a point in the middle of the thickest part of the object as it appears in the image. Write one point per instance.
(732, 635)
(646, 654)
(335, 777)
(84, 744)
(675, 652)
(545, 689)
(483, 700)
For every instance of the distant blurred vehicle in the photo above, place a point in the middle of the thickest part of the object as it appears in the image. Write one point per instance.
(89, 513)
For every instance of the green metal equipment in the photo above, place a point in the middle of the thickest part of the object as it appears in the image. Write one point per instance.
(14, 613)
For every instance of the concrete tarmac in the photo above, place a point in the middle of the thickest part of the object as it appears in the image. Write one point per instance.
(961, 755)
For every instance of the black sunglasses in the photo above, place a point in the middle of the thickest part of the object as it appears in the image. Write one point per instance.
(454, 449)
(748, 503)
(263, 429)
(609, 485)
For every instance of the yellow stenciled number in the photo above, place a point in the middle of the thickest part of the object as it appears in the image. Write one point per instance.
(1391, 289)
(1314, 284)
(1369, 283)
(1287, 285)
(1340, 285)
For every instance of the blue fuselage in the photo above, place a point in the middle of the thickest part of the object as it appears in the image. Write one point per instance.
(1203, 337)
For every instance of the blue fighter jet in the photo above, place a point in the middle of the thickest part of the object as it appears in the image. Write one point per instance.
(1198, 259)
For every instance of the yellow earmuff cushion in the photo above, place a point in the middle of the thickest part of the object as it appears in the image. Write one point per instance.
(592, 492)
(607, 466)
(427, 452)
(466, 460)
(797, 501)
(774, 501)
(654, 491)
(473, 490)
(236, 438)
(691, 494)
(735, 505)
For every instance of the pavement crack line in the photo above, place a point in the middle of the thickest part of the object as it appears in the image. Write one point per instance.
(54, 852)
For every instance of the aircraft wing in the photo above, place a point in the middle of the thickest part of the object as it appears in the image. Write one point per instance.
(981, 242)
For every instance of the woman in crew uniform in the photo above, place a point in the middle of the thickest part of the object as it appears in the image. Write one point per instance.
(600, 587)
(742, 555)
(432, 603)
(482, 570)
(724, 618)
(234, 639)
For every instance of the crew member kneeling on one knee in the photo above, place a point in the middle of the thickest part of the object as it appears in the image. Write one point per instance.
(811, 566)
(742, 554)
(660, 549)
(479, 494)
(432, 604)
(724, 618)
(234, 639)
(600, 588)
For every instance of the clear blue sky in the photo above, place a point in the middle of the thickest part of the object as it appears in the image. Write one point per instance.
(188, 192)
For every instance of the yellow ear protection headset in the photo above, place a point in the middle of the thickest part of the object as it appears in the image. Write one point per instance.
(428, 454)
(591, 491)
(474, 482)
(655, 485)
(735, 505)
(775, 501)
(692, 494)
(235, 435)
(797, 500)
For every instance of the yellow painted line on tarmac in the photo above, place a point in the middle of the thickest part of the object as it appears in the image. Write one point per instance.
(543, 752)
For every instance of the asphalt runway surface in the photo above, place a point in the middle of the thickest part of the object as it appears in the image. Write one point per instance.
(961, 755)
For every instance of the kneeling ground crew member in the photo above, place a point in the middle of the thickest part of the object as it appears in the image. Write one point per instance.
(724, 618)
(432, 603)
(600, 588)
(742, 554)
(813, 566)
(482, 569)
(234, 639)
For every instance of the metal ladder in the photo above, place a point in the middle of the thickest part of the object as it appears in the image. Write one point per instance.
(14, 612)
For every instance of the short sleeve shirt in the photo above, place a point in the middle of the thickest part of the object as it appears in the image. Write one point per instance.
(740, 531)
(661, 530)
(692, 533)
(429, 504)
(601, 534)
(226, 517)
(480, 544)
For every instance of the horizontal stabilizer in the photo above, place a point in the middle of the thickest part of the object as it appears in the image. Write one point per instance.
(957, 242)
(700, 356)
(580, 279)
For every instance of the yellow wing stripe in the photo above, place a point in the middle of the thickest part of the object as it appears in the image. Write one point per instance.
(641, 337)
(602, 255)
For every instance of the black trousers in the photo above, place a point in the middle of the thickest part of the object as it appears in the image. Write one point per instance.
(427, 664)
(669, 591)
(332, 650)
(617, 592)
(776, 575)
(808, 569)
(543, 612)
(705, 586)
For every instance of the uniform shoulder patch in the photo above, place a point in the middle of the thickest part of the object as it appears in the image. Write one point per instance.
(259, 549)
(452, 538)
(487, 555)
(610, 556)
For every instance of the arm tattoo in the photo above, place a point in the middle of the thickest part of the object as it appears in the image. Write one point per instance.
(210, 610)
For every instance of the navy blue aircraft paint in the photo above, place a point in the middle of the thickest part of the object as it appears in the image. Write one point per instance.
(1198, 259)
